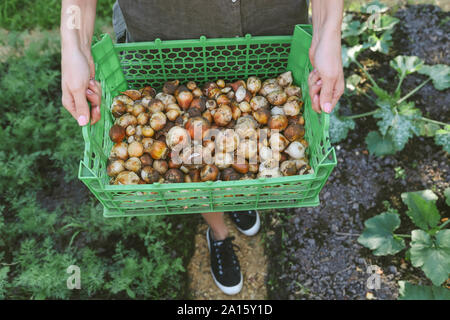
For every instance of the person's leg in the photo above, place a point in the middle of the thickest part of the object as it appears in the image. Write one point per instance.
(217, 224)
(225, 268)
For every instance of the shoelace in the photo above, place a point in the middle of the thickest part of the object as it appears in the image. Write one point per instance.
(225, 252)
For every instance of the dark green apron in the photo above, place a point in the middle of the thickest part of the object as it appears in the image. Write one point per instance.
(146, 20)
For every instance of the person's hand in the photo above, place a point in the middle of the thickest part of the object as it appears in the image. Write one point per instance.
(78, 86)
(326, 82)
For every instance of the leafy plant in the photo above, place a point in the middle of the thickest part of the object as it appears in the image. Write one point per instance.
(373, 30)
(47, 219)
(13, 16)
(3, 281)
(399, 119)
(339, 126)
(429, 245)
(409, 291)
(399, 173)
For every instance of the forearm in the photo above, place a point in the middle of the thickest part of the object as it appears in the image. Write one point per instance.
(326, 82)
(73, 35)
(327, 17)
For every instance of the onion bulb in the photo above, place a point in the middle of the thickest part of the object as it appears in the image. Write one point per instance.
(278, 142)
(174, 176)
(127, 177)
(149, 175)
(115, 167)
(158, 150)
(135, 149)
(120, 151)
(227, 141)
(133, 164)
(117, 133)
(165, 98)
(178, 138)
(223, 115)
(158, 121)
(223, 160)
(285, 79)
(209, 173)
(258, 102)
(296, 150)
(253, 85)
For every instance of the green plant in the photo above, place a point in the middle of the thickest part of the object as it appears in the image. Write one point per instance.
(399, 173)
(399, 119)
(142, 276)
(409, 291)
(430, 244)
(372, 29)
(27, 14)
(47, 220)
(3, 281)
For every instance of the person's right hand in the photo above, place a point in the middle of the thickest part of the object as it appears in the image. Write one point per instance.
(79, 87)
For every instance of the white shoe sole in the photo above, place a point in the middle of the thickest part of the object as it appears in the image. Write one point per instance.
(227, 290)
(253, 230)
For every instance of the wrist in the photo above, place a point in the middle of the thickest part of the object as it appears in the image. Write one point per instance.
(69, 39)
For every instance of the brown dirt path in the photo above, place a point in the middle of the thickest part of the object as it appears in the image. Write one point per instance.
(252, 260)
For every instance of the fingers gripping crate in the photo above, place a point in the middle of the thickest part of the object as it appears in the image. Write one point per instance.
(133, 65)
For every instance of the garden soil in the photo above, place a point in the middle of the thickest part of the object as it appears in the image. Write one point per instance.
(314, 253)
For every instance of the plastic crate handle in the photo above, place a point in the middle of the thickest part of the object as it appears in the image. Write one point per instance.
(325, 119)
(91, 143)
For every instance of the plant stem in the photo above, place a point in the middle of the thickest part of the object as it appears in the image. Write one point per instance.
(366, 73)
(356, 116)
(348, 234)
(402, 235)
(366, 95)
(444, 224)
(433, 121)
(413, 91)
(402, 77)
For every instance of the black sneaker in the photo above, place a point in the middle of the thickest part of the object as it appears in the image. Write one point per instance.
(247, 222)
(225, 268)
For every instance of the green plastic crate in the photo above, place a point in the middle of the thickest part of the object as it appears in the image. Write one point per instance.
(133, 65)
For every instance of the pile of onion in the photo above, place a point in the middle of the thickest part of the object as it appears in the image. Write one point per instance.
(220, 131)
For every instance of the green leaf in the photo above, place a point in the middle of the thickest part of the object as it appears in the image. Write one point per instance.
(402, 131)
(386, 22)
(397, 125)
(350, 54)
(422, 208)
(352, 28)
(339, 127)
(378, 234)
(378, 145)
(405, 65)
(351, 83)
(439, 73)
(385, 115)
(382, 95)
(442, 138)
(382, 43)
(409, 291)
(427, 129)
(432, 256)
(130, 293)
(447, 196)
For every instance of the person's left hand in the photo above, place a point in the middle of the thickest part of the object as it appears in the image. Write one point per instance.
(326, 82)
